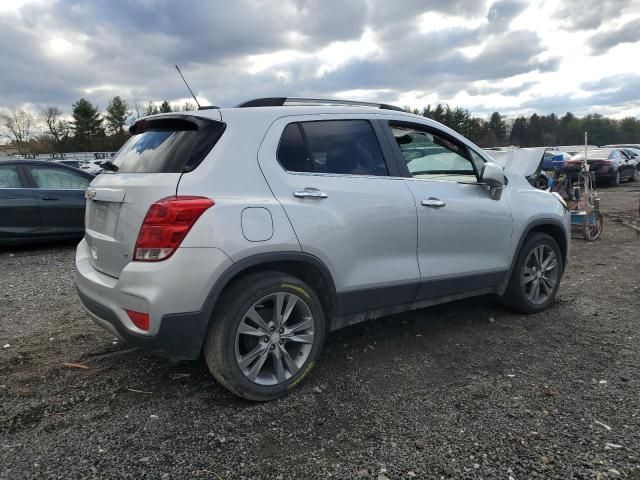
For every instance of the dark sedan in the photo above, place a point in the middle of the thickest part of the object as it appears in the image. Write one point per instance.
(41, 201)
(611, 164)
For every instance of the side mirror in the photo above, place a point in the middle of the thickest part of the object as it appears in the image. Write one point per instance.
(492, 176)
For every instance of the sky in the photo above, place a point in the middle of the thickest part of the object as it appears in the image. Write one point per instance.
(514, 56)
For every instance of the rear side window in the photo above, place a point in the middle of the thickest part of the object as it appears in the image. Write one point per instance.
(58, 178)
(9, 177)
(167, 145)
(348, 147)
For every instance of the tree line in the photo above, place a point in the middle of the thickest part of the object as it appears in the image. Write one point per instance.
(535, 130)
(89, 129)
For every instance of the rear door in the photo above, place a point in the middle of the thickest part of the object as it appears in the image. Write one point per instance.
(347, 205)
(60, 194)
(19, 216)
(464, 236)
(146, 169)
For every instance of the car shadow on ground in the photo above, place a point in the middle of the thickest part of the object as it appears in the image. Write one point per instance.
(38, 248)
(435, 336)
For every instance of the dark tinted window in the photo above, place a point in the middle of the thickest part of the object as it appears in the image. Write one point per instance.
(347, 147)
(292, 153)
(167, 145)
(155, 151)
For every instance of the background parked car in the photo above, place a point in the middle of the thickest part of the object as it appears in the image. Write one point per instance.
(634, 153)
(41, 200)
(93, 167)
(611, 164)
(70, 163)
(553, 159)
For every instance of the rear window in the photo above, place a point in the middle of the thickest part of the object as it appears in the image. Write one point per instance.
(595, 155)
(348, 147)
(167, 145)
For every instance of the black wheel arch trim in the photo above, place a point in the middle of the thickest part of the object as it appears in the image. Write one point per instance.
(530, 227)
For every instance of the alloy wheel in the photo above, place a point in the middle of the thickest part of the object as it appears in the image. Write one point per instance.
(274, 338)
(540, 274)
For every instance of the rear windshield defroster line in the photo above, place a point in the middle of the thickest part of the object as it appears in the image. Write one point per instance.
(168, 144)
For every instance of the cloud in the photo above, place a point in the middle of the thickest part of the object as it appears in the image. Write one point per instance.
(601, 42)
(590, 14)
(608, 92)
(503, 11)
(55, 51)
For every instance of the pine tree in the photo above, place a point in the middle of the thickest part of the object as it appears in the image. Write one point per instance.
(165, 107)
(86, 123)
(117, 113)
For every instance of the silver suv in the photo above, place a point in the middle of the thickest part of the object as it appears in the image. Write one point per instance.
(247, 234)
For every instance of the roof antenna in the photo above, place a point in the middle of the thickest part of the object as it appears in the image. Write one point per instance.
(189, 88)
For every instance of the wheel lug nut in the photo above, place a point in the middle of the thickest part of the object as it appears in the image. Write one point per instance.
(272, 347)
(272, 328)
(266, 339)
(282, 330)
(281, 342)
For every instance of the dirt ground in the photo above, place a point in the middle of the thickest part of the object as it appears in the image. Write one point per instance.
(465, 390)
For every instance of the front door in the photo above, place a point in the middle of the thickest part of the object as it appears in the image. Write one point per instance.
(464, 236)
(346, 207)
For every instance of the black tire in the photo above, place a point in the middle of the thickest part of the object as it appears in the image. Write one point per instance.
(634, 175)
(515, 295)
(615, 180)
(235, 302)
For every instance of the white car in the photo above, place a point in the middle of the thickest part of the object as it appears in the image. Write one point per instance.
(93, 167)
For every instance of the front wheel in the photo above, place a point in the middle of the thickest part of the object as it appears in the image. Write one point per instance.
(266, 336)
(634, 175)
(535, 278)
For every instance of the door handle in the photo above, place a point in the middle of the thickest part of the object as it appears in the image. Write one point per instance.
(50, 199)
(309, 193)
(433, 203)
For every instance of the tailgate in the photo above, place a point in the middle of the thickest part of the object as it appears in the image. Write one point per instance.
(146, 169)
(116, 206)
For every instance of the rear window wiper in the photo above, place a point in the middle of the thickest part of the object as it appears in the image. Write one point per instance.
(109, 165)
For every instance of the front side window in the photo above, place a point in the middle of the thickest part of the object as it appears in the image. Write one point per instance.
(9, 177)
(348, 147)
(430, 156)
(58, 178)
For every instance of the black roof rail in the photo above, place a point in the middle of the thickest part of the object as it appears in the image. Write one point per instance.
(283, 101)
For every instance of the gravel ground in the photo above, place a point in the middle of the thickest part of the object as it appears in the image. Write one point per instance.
(465, 390)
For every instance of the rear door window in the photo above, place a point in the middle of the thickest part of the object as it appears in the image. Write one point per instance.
(52, 178)
(167, 145)
(348, 147)
(9, 177)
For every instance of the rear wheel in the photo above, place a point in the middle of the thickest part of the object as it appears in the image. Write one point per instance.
(616, 179)
(266, 336)
(536, 276)
(634, 175)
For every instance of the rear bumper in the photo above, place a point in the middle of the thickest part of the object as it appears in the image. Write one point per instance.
(174, 293)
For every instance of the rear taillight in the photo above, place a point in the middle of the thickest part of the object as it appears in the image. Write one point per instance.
(166, 224)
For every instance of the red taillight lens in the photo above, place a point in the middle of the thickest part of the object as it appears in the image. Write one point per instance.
(166, 224)
(139, 319)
